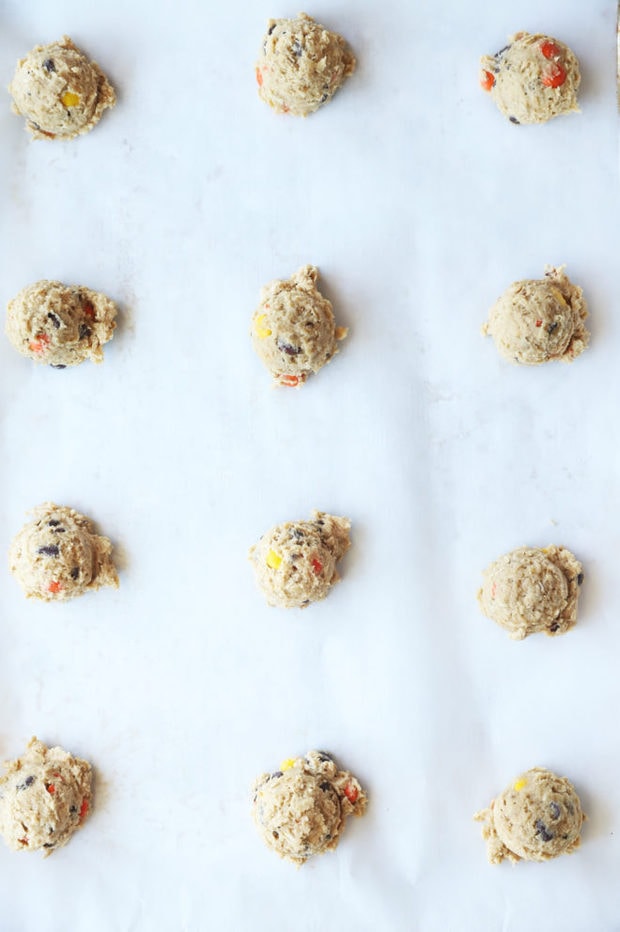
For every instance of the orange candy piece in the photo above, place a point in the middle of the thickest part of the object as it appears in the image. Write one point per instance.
(487, 80)
(40, 343)
(351, 792)
(554, 75)
(54, 586)
(549, 49)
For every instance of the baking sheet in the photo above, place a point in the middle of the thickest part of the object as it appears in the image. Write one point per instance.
(419, 204)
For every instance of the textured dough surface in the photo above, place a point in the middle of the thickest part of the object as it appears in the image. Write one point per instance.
(539, 320)
(300, 810)
(295, 563)
(531, 589)
(301, 65)
(44, 798)
(293, 328)
(59, 91)
(57, 556)
(536, 818)
(60, 325)
(533, 79)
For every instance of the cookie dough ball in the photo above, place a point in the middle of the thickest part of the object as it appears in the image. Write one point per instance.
(300, 810)
(539, 320)
(293, 328)
(530, 590)
(60, 325)
(301, 66)
(57, 556)
(59, 91)
(45, 797)
(295, 563)
(536, 818)
(532, 79)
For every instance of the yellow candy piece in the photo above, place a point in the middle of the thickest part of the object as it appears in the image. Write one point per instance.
(273, 559)
(261, 332)
(70, 99)
(518, 785)
(288, 763)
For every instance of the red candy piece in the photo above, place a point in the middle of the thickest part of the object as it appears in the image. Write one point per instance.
(554, 75)
(487, 80)
(351, 792)
(50, 788)
(40, 343)
(317, 566)
(539, 323)
(54, 586)
(83, 809)
(89, 310)
(549, 49)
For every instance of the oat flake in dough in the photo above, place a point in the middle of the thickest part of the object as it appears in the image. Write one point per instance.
(45, 797)
(301, 66)
(57, 556)
(300, 810)
(295, 563)
(59, 91)
(532, 589)
(293, 328)
(536, 818)
(539, 320)
(532, 79)
(60, 325)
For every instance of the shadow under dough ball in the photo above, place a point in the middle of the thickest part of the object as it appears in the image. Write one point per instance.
(301, 65)
(532, 79)
(537, 818)
(531, 589)
(60, 325)
(45, 797)
(57, 556)
(540, 320)
(59, 91)
(295, 563)
(300, 810)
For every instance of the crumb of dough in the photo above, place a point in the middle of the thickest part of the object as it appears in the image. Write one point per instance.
(60, 325)
(300, 810)
(536, 818)
(532, 589)
(57, 556)
(540, 320)
(293, 328)
(59, 91)
(301, 65)
(295, 563)
(532, 79)
(45, 796)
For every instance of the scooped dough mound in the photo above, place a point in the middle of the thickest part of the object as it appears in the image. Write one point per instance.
(293, 328)
(536, 818)
(57, 556)
(295, 563)
(301, 66)
(539, 320)
(59, 91)
(300, 810)
(45, 797)
(60, 325)
(532, 79)
(530, 590)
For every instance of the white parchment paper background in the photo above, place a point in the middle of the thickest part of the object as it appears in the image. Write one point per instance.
(419, 204)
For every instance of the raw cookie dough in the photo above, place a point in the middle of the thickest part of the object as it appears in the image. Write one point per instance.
(539, 320)
(44, 798)
(536, 818)
(56, 556)
(295, 563)
(293, 328)
(60, 325)
(532, 79)
(301, 65)
(300, 810)
(530, 590)
(59, 91)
